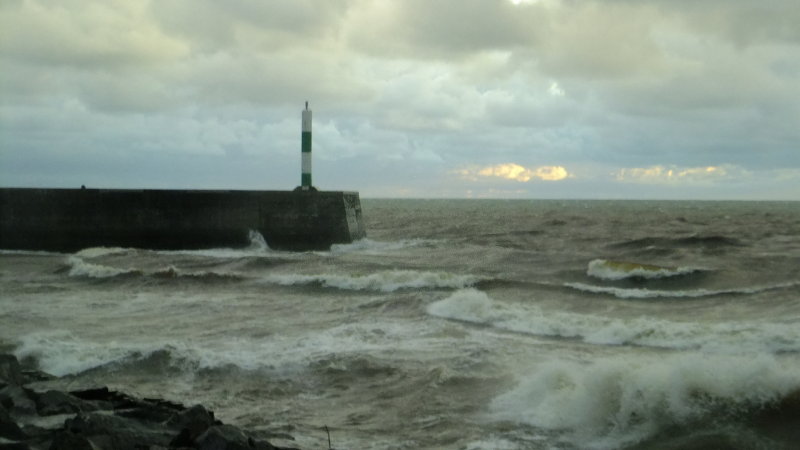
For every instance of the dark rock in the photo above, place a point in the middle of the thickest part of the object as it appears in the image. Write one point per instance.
(146, 412)
(101, 419)
(10, 371)
(65, 440)
(101, 393)
(39, 432)
(183, 439)
(123, 433)
(15, 446)
(9, 428)
(57, 402)
(229, 437)
(153, 410)
(224, 437)
(106, 399)
(32, 376)
(17, 400)
(192, 422)
(165, 404)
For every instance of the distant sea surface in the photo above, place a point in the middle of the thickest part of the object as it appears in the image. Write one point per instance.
(457, 324)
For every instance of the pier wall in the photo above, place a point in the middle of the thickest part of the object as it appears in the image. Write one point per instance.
(71, 219)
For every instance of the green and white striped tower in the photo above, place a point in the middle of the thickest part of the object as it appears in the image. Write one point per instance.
(305, 177)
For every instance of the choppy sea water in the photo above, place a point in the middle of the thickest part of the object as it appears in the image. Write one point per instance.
(461, 324)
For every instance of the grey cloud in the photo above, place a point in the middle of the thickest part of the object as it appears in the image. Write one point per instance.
(445, 29)
(184, 93)
(742, 22)
(258, 25)
(109, 35)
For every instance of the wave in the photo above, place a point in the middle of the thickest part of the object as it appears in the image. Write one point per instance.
(616, 402)
(642, 293)
(605, 269)
(693, 241)
(12, 252)
(59, 352)
(173, 272)
(384, 281)
(80, 268)
(96, 252)
(63, 352)
(474, 306)
(372, 247)
(257, 248)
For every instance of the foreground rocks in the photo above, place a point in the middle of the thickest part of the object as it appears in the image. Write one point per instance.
(101, 419)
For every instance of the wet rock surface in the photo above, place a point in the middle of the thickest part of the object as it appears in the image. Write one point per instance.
(100, 419)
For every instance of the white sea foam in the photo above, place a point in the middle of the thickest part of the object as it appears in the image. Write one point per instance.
(257, 241)
(258, 248)
(678, 293)
(371, 247)
(471, 305)
(618, 401)
(81, 268)
(296, 352)
(384, 281)
(60, 352)
(95, 252)
(494, 443)
(174, 272)
(617, 270)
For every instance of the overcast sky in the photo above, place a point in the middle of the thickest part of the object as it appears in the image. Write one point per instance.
(678, 99)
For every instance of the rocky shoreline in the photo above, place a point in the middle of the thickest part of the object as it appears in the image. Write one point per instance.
(103, 419)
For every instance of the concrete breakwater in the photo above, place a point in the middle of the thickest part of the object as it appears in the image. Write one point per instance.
(71, 219)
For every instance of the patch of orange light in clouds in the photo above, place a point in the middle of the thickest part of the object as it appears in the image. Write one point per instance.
(512, 171)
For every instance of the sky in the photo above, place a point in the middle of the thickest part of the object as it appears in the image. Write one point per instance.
(613, 99)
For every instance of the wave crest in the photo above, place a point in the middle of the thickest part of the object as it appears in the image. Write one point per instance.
(474, 306)
(643, 293)
(620, 401)
(620, 270)
(708, 242)
(384, 281)
(80, 268)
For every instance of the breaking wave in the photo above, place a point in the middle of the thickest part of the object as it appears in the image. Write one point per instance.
(642, 293)
(620, 401)
(63, 352)
(693, 241)
(619, 270)
(80, 268)
(96, 252)
(474, 306)
(77, 267)
(369, 246)
(258, 248)
(59, 352)
(384, 281)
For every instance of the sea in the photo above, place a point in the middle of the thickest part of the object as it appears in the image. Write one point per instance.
(456, 324)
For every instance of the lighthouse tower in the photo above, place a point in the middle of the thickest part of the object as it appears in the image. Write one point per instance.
(305, 149)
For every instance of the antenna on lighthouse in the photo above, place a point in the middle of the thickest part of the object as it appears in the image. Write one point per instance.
(305, 149)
